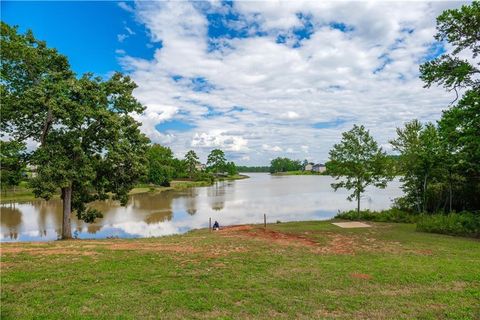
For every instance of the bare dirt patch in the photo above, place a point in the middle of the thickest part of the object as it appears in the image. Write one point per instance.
(363, 276)
(334, 243)
(46, 251)
(152, 247)
(337, 244)
(236, 228)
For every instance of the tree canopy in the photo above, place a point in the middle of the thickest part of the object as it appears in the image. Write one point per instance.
(216, 160)
(89, 144)
(459, 127)
(358, 162)
(12, 159)
(284, 164)
(191, 162)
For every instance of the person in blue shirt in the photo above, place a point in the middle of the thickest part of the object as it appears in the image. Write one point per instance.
(216, 226)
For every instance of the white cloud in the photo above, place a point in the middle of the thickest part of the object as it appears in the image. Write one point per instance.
(290, 115)
(266, 97)
(122, 37)
(125, 6)
(267, 147)
(218, 139)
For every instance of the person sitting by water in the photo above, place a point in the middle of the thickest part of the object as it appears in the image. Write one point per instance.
(216, 226)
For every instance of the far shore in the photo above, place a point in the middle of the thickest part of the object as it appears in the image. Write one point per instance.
(299, 173)
(26, 194)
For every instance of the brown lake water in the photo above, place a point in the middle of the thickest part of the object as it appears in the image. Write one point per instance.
(283, 198)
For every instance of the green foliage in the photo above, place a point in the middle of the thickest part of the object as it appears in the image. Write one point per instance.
(442, 164)
(231, 168)
(358, 162)
(161, 165)
(465, 224)
(459, 27)
(204, 176)
(419, 148)
(12, 163)
(391, 215)
(89, 144)
(216, 161)
(191, 162)
(253, 169)
(284, 164)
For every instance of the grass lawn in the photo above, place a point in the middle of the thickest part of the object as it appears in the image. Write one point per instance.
(301, 270)
(298, 173)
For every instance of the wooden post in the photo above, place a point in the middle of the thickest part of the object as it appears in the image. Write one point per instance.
(210, 224)
(265, 221)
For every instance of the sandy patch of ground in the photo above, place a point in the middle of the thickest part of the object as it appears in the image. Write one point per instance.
(353, 224)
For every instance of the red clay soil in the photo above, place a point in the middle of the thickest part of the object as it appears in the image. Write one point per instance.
(361, 276)
(338, 244)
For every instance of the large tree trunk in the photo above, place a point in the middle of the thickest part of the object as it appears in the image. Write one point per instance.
(450, 191)
(358, 202)
(67, 210)
(46, 126)
(425, 193)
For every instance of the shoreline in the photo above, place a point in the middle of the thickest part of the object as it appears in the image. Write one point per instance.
(26, 195)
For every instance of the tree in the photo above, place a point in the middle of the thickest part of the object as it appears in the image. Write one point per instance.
(191, 162)
(161, 168)
(12, 163)
(284, 164)
(89, 144)
(420, 152)
(358, 162)
(231, 168)
(459, 127)
(216, 161)
(460, 28)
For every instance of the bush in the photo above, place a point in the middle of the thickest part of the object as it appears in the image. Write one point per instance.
(204, 176)
(465, 224)
(391, 215)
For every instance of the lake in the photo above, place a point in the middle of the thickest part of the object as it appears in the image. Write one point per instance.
(281, 198)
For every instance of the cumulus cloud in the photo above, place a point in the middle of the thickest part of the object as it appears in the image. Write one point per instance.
(284, 76)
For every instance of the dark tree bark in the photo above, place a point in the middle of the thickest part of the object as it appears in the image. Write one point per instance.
(67, 210)
(358, 202)
(46, 126)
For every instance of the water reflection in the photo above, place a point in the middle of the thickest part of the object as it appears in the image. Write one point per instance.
(230, 202)
(216, 194)
(11, 219)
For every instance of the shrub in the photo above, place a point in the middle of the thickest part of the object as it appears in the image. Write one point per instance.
(457, 224)
(391, 215)
(204, 176)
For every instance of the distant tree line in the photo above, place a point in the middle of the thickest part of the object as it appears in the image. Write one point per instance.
(163, 167)
(253, 169)
(285, 164)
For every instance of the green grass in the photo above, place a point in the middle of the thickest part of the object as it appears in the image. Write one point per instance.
(236, 177)
(305, 270)
(298, 173)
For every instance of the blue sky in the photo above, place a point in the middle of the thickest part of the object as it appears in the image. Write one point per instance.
(87, 32)
(257, 79)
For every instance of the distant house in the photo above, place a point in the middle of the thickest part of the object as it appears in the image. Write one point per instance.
(309, 166)
(31, 171)
(319, 167)
(200, 167)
